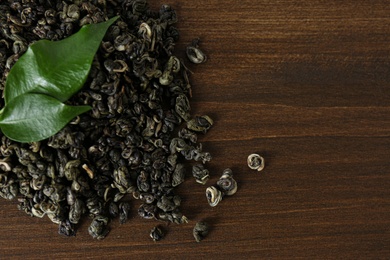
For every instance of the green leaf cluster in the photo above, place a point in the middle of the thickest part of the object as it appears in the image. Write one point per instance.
(48, 74)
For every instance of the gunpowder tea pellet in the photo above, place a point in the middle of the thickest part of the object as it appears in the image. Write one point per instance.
(124, 211)
(213, 195)
(255, 162)
(200, 231)
(226, 183)
(156, 234)
(66, 228)
(98, 227)
(194, 54)
(200, 174)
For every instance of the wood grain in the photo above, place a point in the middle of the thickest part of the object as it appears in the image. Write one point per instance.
(306, 84)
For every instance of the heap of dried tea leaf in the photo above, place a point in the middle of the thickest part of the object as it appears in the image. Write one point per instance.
(126, 146)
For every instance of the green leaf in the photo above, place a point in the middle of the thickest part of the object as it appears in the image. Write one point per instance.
(58, 68)
(34, 117)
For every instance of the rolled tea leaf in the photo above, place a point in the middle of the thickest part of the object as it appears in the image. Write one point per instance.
(34, 117)
(200, 231)
(56, 68)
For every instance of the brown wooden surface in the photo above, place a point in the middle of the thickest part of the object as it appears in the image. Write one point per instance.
(306, 84)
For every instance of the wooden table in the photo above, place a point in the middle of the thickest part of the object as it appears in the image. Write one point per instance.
(307, 85)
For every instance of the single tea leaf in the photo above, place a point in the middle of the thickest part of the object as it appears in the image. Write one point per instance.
(33, 117)
(56, 68)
